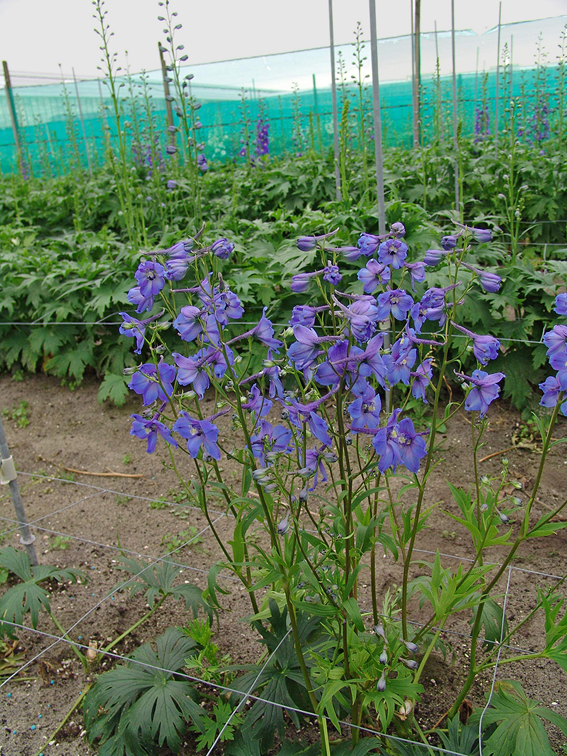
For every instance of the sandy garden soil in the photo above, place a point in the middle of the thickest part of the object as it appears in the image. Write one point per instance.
(96, 517)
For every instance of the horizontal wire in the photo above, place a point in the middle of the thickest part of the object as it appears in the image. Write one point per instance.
(101, 602)
(224, 688)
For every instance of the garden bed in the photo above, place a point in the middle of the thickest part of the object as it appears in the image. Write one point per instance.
(87, 521)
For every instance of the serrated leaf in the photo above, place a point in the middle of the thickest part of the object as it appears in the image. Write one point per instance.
(141, 704)
(27, 596)
(519, 731)
(115, 388)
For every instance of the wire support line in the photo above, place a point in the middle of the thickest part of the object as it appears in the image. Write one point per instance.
(244, 696)
(101, 602)
(216, 686)
(43, 517)
(116, 493)
(122, 550)
(493, 684)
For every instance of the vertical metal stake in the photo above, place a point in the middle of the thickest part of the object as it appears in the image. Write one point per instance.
(377, 120)
(8, 476)
(168, 108)
(334, 96)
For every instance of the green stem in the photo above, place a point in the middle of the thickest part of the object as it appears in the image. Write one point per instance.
(80, 656)
(131, 629)
(66, 718)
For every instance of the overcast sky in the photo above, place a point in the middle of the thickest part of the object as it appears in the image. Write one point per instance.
(37, 35)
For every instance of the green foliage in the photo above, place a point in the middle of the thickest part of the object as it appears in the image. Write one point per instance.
(280, 680)
(59, 543)
(143, 705)
(519, 728)
(18, 414)
(27, 595)
(158, 581)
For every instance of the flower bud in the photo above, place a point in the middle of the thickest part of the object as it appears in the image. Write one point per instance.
(410, 663)
(383, 657)
(411, 647)
(381, 685)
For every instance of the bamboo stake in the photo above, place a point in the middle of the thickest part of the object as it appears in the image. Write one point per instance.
(13, 115)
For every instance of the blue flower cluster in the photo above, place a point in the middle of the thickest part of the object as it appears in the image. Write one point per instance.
(351, 361)
(555, 387)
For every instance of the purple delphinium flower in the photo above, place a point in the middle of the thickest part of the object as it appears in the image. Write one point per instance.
(305, 350)
(202, 162)
(433, 257)
(411, 445)
(365, 411)
(308, 243)
(332, 274)
(305, 315)
(556, 340)
(172, 184)
(397, 230)
(421, 380)
(193, 371)
(395, 301)
(133, 328)
(135, 297)
(368, 244)
(551, 388)
(561, 304)
(400, 362)
(349, 253)
(150, 277)
(153, 383)
(417, 272)
(342, 360)
(485, 348)
(187, 323)
(222, 249)
(373, 275)
(300, 282)
(490, 282)
(374, 360)
(270, 441)
(314, 466)
(449, 242)
(198, 433)
(393, 252)
(306, 414)
(264, 332)
(257, 403)
(149, 430)
(558, 361)
(362, 317)
(483, 392)
(385, 444)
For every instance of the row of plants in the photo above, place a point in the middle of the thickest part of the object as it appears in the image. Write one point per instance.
(66, 250)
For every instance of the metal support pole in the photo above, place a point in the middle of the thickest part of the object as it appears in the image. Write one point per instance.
(377, 120)
(82, 123)
(334, 96)
(8, 476)
(455, 125)
(13, 115)
(413, 89)
(496, 115)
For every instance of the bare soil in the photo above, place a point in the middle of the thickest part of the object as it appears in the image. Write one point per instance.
(97, 517)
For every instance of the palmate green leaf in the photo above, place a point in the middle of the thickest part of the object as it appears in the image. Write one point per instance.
(115, 388)
(519, 731)
(137, 707)
(158, 580)
(27, 596)
(397, 691)
(460, 738)
(555, 630)
(72, 361)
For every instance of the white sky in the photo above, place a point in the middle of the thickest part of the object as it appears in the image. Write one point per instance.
(37, 35)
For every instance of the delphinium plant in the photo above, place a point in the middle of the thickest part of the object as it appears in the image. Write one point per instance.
(322, 428)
